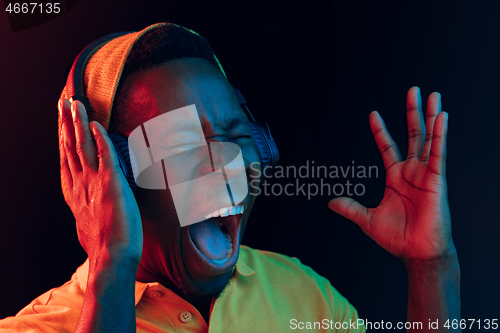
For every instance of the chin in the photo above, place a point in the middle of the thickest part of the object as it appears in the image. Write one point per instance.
(210, 250)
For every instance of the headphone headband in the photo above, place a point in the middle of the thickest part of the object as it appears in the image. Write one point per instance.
(74, 83)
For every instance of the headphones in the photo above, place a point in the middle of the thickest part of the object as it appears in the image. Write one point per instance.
(268, 151)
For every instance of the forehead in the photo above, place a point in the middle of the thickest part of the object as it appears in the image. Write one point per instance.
(179, 83)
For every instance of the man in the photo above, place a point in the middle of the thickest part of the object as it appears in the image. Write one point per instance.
(147, 273)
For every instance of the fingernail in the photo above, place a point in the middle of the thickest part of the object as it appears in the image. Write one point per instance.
(73, 108)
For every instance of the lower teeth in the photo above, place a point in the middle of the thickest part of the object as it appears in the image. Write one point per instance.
(229, 244)
(229, 250)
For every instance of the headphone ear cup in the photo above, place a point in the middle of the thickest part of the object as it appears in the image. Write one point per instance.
(268, 150)
(121, 145)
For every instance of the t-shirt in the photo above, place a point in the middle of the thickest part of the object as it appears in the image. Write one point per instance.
(268, 292)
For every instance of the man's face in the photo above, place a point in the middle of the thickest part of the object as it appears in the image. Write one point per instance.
(196, 259)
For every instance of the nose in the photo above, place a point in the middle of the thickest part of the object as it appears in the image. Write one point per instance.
(227, 158)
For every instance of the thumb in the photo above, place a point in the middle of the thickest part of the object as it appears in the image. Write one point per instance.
(352, 210)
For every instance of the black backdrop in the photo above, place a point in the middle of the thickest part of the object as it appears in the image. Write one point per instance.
(313, 71)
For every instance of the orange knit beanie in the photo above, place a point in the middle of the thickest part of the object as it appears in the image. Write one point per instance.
(104, 69)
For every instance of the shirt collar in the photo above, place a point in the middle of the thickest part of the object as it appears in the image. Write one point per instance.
(242, 268)
(82, 272)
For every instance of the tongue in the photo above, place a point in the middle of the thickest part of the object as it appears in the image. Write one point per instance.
(209, 239)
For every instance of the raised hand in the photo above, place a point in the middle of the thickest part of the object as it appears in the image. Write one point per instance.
(413, 220)
(107, 216)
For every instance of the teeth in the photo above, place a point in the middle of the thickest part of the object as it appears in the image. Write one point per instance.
(223, 212)
(229, 245)
(226, 211)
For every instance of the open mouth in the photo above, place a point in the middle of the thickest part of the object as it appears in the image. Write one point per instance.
(216, 239)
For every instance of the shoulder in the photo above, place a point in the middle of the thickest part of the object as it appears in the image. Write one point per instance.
(266, 261)
(287, 278)
(272, 292)
(276, 267)
(57, 310)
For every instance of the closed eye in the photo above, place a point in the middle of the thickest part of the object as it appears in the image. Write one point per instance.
(241, 137)
(181, 146)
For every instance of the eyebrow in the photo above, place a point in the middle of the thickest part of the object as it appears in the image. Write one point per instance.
(234, 122)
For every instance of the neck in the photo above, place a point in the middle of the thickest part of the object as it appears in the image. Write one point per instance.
(144, 276)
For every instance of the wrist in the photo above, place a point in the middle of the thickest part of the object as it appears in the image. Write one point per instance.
(427, 271)
(428, 255)
(109, 303)
(106, 269)
(447, 260)
(433, 288)
(117, 256)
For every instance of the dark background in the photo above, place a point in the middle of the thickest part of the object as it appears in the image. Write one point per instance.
(313, 71)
